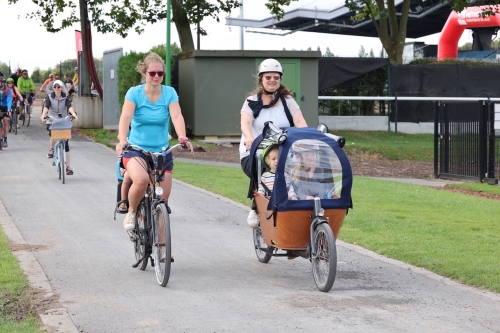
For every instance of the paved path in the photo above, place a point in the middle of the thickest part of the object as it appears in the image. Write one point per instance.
(217, 284)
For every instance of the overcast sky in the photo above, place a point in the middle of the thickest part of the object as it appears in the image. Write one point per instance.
(30, 45)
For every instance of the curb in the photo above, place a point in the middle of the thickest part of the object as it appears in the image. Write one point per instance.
(54, 320)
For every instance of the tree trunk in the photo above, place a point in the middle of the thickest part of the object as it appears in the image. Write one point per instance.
(179, 16)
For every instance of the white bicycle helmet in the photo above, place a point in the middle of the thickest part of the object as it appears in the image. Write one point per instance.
(270, 65)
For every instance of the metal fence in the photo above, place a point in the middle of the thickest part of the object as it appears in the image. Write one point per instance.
(466, 137)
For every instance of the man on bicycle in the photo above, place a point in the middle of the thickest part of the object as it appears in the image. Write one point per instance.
(27, 88)
(5, 107)
(15, 76)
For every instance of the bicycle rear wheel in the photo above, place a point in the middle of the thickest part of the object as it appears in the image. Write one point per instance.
(1, 135)
(140, 239)
(162, 249)
(28, 114)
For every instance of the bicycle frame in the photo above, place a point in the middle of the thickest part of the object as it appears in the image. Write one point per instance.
(152, 197)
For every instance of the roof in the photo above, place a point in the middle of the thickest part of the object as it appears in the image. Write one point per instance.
(426, 17)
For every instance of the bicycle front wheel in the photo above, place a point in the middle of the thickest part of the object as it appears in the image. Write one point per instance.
(162, 249)
(10, 124)
(324, 263)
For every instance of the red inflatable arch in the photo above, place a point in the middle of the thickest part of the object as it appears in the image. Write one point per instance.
(456, 24)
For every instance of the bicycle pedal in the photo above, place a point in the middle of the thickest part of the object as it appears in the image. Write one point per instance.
(54, 163)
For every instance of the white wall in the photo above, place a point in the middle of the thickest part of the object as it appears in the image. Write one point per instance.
(373, 123)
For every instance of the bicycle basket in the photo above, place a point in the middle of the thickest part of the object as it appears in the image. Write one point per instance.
(61, 129)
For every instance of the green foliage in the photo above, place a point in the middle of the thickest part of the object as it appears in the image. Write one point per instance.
(116, 16)
(370, 84)
(4, 68)
(129, 77)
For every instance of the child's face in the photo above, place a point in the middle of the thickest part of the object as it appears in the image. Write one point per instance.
(308, 158)
(272, 159)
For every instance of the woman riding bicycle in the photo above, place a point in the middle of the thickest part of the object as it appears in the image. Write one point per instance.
(149, 108)
(5, 109)
(270, 101)
(58, 105)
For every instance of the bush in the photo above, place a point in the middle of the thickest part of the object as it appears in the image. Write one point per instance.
(127, 75)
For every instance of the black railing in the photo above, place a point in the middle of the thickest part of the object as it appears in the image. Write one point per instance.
(468, 148)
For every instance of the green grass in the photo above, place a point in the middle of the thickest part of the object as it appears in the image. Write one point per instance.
(451, 234)
(14, 294)
(419, 147)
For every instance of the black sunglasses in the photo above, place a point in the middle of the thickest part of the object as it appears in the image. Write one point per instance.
(153, 73)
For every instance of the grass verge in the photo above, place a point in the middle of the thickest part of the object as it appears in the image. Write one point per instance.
(15, 303)
(418, 147)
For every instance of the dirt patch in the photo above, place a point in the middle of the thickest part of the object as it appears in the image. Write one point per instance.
(27, 247)
(470, 192)
(25, 303)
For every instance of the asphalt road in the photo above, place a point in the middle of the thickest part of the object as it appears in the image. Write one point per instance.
(216, 284)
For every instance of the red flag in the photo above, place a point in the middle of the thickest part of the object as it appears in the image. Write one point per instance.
(78, 37)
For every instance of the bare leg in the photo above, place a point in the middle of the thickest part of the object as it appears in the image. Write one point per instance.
(166, 185)
(125, 186)
(68, 159)
(5, 127)
(140, 181)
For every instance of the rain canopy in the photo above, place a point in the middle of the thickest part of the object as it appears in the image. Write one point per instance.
(310, 164)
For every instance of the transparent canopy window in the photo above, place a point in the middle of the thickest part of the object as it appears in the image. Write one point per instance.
(312, 170)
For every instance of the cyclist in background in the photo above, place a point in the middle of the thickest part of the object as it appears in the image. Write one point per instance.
(16, 76)
(27, 88)
(50, 79)
(5, 108)
(58, 105)
(49, 90)
(16, 94)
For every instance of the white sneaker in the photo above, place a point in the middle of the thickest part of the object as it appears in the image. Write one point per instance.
(129, 221)
(253, 219)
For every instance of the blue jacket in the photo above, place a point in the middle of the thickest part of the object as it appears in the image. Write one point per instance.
(6, 98)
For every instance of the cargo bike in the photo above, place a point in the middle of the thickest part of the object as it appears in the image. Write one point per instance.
(303, 214)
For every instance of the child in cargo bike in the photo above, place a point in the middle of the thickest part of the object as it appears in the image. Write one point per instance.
(308, 173)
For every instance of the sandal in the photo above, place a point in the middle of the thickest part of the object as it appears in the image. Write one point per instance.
(122, 208)
(69, 171)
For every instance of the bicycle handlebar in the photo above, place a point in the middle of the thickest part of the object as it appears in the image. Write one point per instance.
(165, 151)
(69, 116)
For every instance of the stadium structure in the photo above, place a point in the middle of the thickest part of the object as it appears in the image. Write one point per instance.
(426, 17)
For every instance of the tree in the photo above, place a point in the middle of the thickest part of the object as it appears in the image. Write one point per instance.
(328, 53)
(390, 25)
(120, 17)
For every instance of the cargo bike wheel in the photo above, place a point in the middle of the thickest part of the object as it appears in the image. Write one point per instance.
(324, 261)
(262, 250)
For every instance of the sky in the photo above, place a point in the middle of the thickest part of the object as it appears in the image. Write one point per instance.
(43, 49)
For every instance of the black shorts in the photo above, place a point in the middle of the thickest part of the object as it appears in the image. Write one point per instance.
(169, 162)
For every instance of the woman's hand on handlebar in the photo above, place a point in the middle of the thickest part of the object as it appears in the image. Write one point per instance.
(186, 143)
